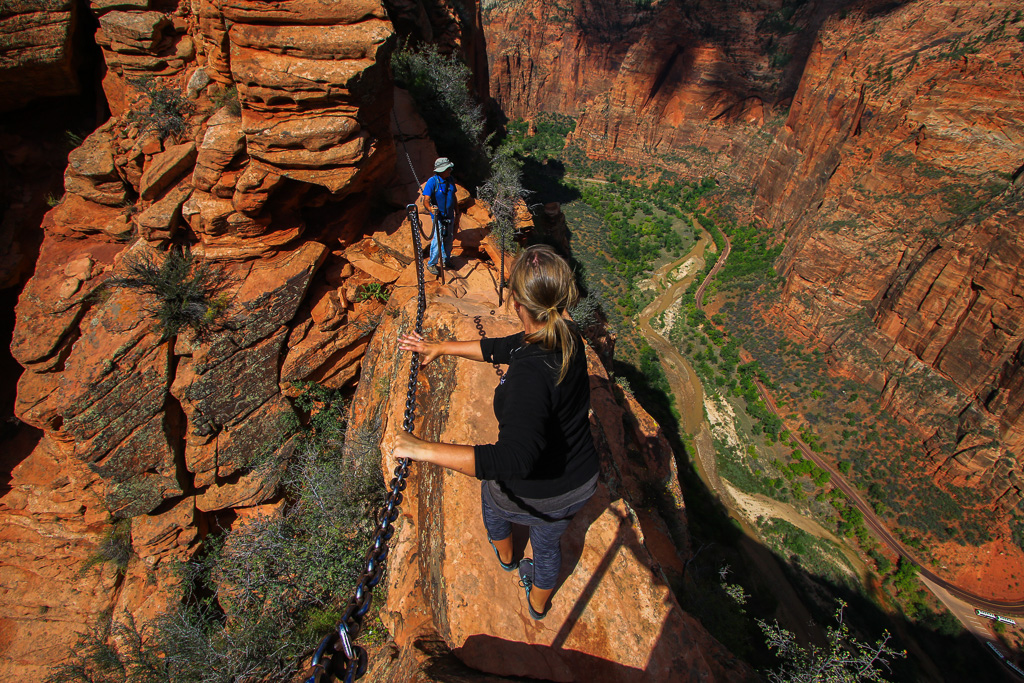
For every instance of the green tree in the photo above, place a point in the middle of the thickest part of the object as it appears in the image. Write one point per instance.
(504, 191)
(439, 84)
(844, 660)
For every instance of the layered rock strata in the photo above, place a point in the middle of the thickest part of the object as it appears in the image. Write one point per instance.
(895, 183)
(162, 431)
(38, 56)
(893, 178)
(683, 86)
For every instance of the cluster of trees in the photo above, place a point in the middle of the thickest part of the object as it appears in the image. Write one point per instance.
(548, 140)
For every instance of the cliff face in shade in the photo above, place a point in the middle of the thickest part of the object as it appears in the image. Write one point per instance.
(893, 177)
(895, 183)
(684, 85)
(37, 58)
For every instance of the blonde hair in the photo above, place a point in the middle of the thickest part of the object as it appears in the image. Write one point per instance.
(542, 283)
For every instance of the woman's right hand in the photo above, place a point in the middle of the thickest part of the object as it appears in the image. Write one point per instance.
(414, 342)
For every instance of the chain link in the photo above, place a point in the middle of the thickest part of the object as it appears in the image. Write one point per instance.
(405, 148)
(337, 656)
(480, 328)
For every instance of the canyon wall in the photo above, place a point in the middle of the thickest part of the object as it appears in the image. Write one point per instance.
(680, 85)
(895, 183)
(39, 57)
(883, 143)
(264, 136)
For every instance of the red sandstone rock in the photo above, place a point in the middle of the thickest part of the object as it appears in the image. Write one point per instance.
(51, 523)
(159, 222)
(221, 144)
(38, 57)
(165, 168)
(866, 177)
(442, 575)
(91, 173)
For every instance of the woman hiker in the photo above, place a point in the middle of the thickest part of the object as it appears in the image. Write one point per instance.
(543, 467)
(439, 199)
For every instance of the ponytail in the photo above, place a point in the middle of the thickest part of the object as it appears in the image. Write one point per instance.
(542, 282)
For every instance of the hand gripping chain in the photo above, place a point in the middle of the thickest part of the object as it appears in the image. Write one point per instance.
(337, 656)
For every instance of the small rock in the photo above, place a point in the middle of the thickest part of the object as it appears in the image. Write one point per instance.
(68, 288)
(165, 168)
(80, 268)
(197, 83)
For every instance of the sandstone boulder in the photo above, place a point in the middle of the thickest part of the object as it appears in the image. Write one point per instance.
(159, 222)
(91, 172)
(139, 30)
(165, 168)
(222, 143)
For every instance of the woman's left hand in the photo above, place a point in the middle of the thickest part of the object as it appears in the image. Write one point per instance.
(408, 446)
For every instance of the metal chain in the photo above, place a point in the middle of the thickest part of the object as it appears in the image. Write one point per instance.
(336, 655)
(480, 329)
(405, 148)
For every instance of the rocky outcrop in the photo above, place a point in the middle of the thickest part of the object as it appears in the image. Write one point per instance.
(683, 86)
(38, 57)
(614, 616)
(164, 431)
(52, 521)
(893, 183)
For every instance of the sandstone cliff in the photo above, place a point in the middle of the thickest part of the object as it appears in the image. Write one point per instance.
(684, 85)
(264, 136)
(893, 184)
(38, 57)
(883, 143)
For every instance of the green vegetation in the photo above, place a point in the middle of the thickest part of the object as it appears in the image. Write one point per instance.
(548, 140)
(227, 98)
(259, 596)
(162, 110)
(504, 191)
(186, 289)
(439, 84)
(820, 557)
(115, 548)
(844, 660)
(373, 290)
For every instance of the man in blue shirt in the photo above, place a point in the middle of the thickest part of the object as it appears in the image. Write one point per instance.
(439, 199)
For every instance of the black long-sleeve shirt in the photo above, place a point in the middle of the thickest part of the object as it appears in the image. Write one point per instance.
(544, 446)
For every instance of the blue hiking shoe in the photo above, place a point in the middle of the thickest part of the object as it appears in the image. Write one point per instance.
(526, 581)
(507, 567)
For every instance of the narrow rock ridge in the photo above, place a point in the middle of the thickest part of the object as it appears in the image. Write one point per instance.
(275, 191)
(614, 616)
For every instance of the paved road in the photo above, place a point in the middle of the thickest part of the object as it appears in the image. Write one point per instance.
(1007, 607)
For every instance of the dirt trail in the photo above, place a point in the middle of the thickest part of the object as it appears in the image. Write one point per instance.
(689, 397)
(681, 378)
